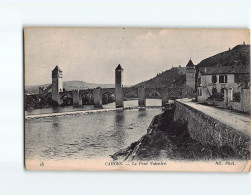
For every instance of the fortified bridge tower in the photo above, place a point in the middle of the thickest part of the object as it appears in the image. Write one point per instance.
(57, 84)
(119, 87)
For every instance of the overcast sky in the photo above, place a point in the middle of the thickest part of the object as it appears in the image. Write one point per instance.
(92, 54)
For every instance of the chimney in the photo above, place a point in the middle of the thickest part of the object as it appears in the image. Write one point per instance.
(205, 70)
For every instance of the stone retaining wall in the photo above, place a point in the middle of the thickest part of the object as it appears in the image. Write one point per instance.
(208, 130)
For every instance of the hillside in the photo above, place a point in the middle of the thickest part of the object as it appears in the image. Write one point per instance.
(165, 78)
(239, 56)
(69, 85)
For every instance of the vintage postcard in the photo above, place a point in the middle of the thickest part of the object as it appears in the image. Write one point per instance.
(137, 99)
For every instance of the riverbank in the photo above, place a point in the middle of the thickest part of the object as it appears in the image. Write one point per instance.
(98, 110)
(168, 138)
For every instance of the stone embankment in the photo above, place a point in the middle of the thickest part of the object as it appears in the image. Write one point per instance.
(192, 132)
(213, 126)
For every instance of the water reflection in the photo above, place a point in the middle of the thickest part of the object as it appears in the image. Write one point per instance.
(55, 125)
(85, 136)
(119, 134)
(142, 113)
(119, 119)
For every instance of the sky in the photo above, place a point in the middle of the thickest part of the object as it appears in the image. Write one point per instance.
(92, 54)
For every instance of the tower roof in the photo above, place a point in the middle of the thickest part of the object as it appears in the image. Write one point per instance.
(190, 64)
(57, 69)
(119, 67)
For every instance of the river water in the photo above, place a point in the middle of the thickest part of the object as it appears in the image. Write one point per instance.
(86, 136)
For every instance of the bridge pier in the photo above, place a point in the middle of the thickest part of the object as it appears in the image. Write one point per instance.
(119, 95)
(76, 98)
(164, 95)
(141, 97)
(97, 97)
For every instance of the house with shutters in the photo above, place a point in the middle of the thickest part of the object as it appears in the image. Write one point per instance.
(223, 85)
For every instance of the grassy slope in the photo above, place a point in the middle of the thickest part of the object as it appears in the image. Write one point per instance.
(164, 79)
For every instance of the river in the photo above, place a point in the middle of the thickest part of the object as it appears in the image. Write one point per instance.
(86, 136)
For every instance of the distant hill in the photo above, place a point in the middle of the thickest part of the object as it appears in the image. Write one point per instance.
(69, 85)
(165, 78)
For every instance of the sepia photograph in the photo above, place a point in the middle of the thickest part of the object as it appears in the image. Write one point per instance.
(137, 99)
(125, 97)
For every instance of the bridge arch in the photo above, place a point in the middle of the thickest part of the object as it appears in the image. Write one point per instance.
(131, 95)
(132, 90)
(66, 98)
(86, 97)
(156, 92)
(153, 96)
(32, 98)
(66, 93)
(187, 92)
(108, 96)
(107, 90)
(175, 93)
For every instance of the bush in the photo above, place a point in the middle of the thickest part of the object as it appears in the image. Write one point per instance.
(237, 97)
(217, 96)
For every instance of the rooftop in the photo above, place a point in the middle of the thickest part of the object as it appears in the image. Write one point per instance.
(190, 64)
(119, 67)
(225, 70)
(57, 69)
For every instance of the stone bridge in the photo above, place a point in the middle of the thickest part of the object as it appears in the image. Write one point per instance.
(119, 92)
(141, 94)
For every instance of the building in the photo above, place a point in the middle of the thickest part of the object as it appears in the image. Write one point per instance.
(225, 86)
(185, 80)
